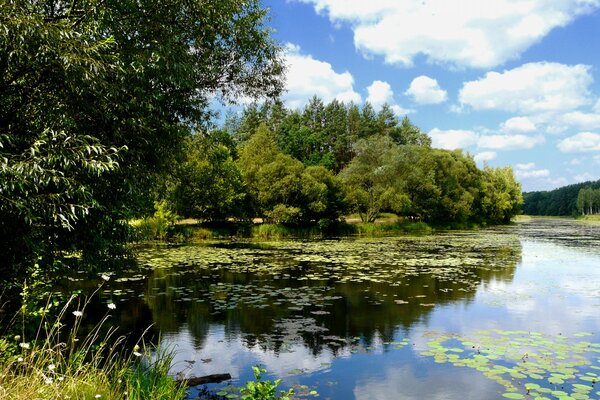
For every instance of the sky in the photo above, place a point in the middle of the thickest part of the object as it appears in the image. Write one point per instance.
(511, 82)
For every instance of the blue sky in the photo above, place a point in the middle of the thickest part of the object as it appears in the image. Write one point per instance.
(512, 82)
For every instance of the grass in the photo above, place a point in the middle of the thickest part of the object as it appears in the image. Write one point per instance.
(594, 217)
(54, 364)
(275, 231)
(379, 229)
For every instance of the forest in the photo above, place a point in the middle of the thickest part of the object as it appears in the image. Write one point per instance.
(315, 165)
(564, 201)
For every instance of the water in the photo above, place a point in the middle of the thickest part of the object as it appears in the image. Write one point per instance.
(511, 311)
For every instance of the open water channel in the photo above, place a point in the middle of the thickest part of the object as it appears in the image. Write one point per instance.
(506, 312)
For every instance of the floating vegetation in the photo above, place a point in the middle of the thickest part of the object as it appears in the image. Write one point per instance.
(528, 364)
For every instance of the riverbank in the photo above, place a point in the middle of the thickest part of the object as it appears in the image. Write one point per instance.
(195, 231)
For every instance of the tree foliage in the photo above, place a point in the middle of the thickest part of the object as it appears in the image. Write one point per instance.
(282, 189)
(588, 201)
(208, 184)
(560, 202)
(96, 97)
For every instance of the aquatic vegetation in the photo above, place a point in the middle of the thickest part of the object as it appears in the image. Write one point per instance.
(527, 364)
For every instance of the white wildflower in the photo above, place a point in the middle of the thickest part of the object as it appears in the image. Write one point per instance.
(112, 306)
(105, 277)
(24, 345)
(77, 313)
(20, 359)
(51, 367)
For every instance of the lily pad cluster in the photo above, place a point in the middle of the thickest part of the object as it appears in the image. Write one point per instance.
(528, 365)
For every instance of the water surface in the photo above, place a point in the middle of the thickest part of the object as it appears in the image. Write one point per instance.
(501, 312)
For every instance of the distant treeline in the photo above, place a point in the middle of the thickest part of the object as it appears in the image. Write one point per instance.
(315, 165)
(562, 201)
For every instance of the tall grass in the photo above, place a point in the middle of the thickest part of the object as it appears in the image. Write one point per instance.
(377, 229)
(276, 231)
(57, 364)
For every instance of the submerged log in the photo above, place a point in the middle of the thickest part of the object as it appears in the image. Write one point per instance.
(201, 380)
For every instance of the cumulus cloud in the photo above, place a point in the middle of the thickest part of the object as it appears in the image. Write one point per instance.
(452, 139)
(518, 124)
(379, 93)
(509, 142)
(531, 88)
(426, 90)
(581, 142)
(485, 156)
(472, 33)
(581, 120)
(528, 170)
(399, 110)
(307, 77)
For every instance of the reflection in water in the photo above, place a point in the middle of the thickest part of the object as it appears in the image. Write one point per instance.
(352, 317)
(324, 294)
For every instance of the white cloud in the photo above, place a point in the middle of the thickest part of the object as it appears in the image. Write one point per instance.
(509, 142)
(307, 77)
(524, 171)
(557, 182)
(575, 161)
(379, 93)
(452, 139)
(581, 120)
(525, 167)
(472, 33)
(426, 90)
(585, 177)
(401, 111)
(518, 124)
(485, 156)
(581, 142)
(531, 88)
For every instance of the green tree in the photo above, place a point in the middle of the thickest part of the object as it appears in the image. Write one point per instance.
(371, 179)
(209, 184)
(407, 133)
(501, 195)
(107, 75)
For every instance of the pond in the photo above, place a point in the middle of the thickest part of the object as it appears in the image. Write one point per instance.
(506, 312)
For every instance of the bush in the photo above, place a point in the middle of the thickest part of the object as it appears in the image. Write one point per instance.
(158, 226)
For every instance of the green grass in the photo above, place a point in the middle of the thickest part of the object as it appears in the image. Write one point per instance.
(58, 364)
(275, 231)
(595, 218)
(378, 229)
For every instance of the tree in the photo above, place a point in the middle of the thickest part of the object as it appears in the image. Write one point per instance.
(371, 179)
(282, 189)
(407, 133)
(501, 195)
(209, 184)
(109, 75)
